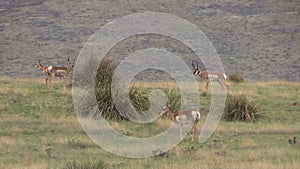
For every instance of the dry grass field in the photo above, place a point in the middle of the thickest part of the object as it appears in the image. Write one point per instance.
(39, 129)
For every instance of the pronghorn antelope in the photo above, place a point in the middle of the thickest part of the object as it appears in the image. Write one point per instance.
(59, 71)
(182, 117)
(210, 76)
(45, 71)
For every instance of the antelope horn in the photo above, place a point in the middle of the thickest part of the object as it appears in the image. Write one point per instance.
(193, 64)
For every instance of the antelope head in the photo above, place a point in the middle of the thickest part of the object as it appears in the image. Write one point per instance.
(167, 111)
(197, 70)
(38, 64)
(71, 64)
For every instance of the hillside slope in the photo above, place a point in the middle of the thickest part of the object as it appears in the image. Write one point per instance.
(257, 38)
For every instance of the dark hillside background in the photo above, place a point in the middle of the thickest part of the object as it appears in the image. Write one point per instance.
(257, 38)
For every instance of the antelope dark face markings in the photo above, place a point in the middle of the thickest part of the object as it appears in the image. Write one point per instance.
(209, 76)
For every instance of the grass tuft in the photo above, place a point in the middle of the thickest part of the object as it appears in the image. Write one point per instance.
(240, 108)
(236, 77)
(86, 165)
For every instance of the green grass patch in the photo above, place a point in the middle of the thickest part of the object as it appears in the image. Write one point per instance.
(39, 129)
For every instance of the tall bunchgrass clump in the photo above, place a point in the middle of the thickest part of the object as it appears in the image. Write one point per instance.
(173, 97)
(86, 165)
(240, 108)
(103, 93)
(137, 95)
(236, 77)
(139, 98)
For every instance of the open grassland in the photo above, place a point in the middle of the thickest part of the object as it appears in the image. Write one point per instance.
(34, 119)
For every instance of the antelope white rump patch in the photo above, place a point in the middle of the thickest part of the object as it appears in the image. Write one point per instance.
(50, 68)
(225, 76)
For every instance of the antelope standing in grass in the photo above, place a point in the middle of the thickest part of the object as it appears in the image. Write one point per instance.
(59, 71)
(210, 76)
(183, 117)
(45, 71)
